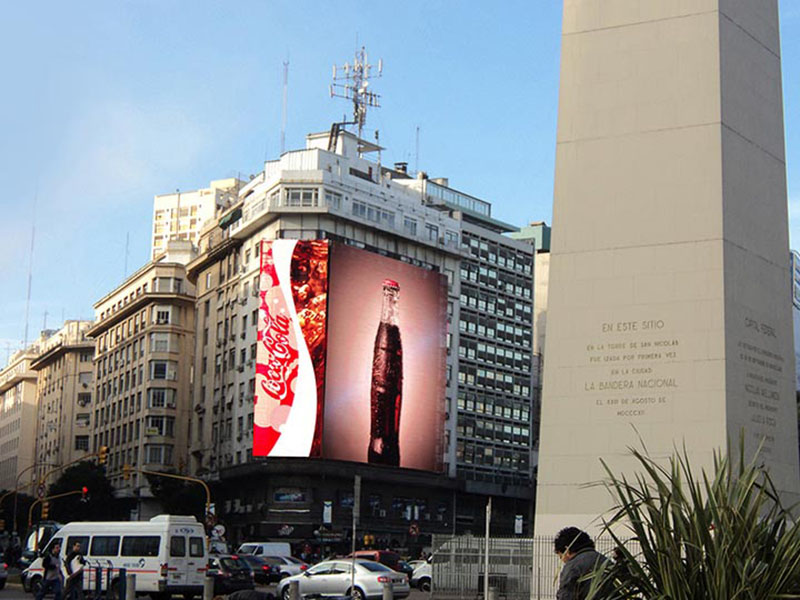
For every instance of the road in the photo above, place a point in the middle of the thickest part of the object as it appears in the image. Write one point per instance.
(13, 591)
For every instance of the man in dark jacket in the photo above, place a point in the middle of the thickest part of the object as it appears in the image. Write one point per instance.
(52, 574)
(576, 550)
(74, 564)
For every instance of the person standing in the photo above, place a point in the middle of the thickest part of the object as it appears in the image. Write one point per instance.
(52, 574)
(576, 550)
(74, 563)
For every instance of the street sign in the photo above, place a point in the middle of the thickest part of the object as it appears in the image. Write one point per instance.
(40, 491)
(218, 531)
(327, 512)
(518, 525)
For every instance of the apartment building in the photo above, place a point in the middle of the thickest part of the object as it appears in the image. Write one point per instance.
(65, 385)
(144, 342)
(18, 416)
(330, 190)
(181, 215)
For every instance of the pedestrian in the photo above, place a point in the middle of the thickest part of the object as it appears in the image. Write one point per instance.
(576, 550)
(51, 582)
(74, 563)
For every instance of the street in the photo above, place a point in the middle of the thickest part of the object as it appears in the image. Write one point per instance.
(13, 591)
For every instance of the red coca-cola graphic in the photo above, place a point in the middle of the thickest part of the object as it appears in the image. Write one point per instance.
(386, 394)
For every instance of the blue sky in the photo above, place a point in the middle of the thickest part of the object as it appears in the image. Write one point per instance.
(106, 104)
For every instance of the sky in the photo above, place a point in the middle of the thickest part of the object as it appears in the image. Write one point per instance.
(107, 104)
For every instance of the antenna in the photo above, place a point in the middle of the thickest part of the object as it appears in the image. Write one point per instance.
(30, 269)
(285, 104)
(416, 156)
(355, 81)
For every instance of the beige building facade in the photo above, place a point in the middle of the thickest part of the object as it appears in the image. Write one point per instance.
(668, 315)
(180, 216)
(18, 417)
(65, 385)
(144, 341)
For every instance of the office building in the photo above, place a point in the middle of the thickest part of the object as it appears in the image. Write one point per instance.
(329, 190)
(65, 385)
(144, 341)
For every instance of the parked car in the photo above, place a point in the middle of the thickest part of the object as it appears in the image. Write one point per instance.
(287, 565)
(403, 567)
(264, 571)
(334, 577)
(265, 548)
(421, 577)
(385, 557)
(230, 574)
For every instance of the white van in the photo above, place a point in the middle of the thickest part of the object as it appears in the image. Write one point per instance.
(266, 548)
(167, 554)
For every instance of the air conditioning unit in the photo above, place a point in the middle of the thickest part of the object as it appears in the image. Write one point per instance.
(243, 301)
(243, 334)
(250, 363)
(241, 368)
(219, 343)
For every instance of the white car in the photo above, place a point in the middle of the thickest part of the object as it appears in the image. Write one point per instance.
(421, 577)
(334, 577)
(287, 565)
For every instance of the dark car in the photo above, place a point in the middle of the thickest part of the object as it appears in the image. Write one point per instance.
(263, 571)
(230, 574)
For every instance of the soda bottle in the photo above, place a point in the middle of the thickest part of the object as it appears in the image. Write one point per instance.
(386, 395)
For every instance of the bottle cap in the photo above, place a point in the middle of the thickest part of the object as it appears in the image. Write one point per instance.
(391, 283)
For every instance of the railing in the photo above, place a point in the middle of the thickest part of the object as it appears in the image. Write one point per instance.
(519, 568)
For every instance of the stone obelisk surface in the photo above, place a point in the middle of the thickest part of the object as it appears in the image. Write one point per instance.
(669, 303)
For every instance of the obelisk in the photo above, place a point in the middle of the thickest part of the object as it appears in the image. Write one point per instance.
(669, 303)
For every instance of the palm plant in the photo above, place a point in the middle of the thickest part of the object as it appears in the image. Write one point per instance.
(720, 536)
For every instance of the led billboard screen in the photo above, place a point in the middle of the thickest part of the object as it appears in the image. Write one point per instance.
(350, 357)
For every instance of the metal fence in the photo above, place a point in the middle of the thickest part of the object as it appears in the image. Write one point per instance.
(519, 568)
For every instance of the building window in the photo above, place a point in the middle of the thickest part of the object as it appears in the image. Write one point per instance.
(409, 226)
(163, 369)
(432, 232)
(162, 315)
(160, 398)
(333, 199)
(158, 454)
(305, 197)
(82, 442)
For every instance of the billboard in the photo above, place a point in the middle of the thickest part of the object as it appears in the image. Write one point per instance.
(350, 363)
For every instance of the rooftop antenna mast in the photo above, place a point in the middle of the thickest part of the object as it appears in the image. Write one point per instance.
(285, 104)
(352, 83)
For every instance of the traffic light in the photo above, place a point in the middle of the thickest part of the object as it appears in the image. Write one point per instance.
(45, 509)
(102, 455)
(84, 494)
(126, 471)
(2, 524)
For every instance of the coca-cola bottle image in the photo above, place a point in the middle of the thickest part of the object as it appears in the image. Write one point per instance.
(386, 395)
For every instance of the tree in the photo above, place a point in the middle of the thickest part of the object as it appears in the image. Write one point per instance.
(178, 497)
(99, 504)
(719, 535)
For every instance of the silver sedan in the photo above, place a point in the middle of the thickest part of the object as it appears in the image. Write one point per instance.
(334, 577)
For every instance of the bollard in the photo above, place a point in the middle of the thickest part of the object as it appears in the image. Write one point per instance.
(208, 588)
(294, 590)
(119, 589)
(130, 586)
(492, 593)
(388, 591)
(98, 581)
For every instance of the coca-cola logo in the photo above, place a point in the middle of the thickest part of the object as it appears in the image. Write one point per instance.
(280, 369)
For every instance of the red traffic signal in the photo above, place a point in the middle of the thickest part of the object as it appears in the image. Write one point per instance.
(84, 494)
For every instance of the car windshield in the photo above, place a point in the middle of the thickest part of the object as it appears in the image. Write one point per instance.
(322, 567)
(373, 566)
(233, 564)
(248, 548)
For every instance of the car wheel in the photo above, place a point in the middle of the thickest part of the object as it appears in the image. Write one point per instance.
(425, 584)
(285, 595)
(357, 594)
(36, 585)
